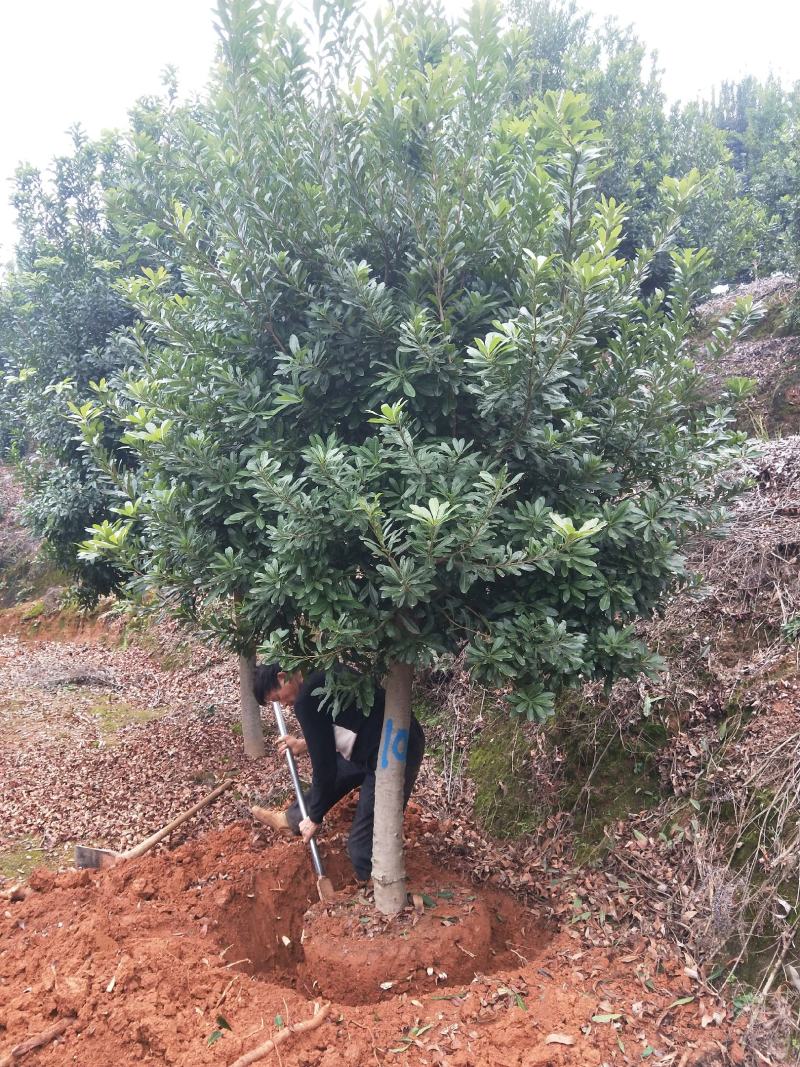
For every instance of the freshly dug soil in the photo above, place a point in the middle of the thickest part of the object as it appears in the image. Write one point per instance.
(195, 956)
(354, 956)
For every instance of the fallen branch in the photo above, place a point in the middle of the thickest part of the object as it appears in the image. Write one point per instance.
(32, 1043)
(261, 1051)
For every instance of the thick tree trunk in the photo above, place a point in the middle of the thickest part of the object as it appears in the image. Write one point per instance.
(388, 867)
(252, 731)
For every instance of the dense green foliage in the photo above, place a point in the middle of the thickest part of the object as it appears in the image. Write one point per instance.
(59, 317)
(61, 311)
(743, 141)
(407, 396)
(761, 126)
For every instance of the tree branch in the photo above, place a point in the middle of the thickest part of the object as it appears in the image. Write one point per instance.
(38, 1041)
(261, 1051)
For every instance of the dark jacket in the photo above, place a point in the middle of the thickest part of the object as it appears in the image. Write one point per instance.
(320, 736)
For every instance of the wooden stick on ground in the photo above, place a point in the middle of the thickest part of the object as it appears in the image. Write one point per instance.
(261, 1051)
(32, 1043)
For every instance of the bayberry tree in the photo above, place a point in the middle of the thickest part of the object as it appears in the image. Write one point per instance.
(407, 399)
(60, 315)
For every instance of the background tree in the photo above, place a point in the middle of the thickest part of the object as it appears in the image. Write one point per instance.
(759, 122)
(60, 315)
(736, 140)
(409, 399)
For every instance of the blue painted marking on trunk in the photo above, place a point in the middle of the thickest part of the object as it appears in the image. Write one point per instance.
(387, 740)
(397, 747)
(400, 746)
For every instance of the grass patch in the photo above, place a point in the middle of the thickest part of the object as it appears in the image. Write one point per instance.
(112, 714)
(17, 862)
(429, 712)
(434, 719)
(622, 784)
(33, 611)
(506, 802)
(607, 776)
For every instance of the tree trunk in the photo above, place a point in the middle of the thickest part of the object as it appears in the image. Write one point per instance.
(252, 731)
(388, 867)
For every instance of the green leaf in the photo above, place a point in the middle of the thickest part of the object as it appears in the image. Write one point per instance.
(681, 1000)
(418, 1031)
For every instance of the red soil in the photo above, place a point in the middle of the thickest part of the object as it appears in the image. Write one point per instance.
(155, 956)
(353, 958)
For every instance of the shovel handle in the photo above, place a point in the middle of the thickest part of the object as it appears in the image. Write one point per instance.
(316, 859)
(147, 844)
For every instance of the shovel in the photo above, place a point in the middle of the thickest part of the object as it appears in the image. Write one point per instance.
(324, 885)
(86, 856)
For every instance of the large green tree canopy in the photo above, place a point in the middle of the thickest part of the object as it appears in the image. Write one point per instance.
(61, 315)
(398, 392)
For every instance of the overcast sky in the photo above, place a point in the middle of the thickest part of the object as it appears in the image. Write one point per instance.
(67, 61)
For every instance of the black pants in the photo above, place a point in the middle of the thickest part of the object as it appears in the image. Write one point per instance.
(350, 776)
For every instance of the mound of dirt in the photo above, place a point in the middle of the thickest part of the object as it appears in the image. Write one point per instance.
(198, 955)
(353, 956)
(775, 288)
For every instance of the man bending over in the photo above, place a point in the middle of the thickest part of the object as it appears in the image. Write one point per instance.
(343, 753)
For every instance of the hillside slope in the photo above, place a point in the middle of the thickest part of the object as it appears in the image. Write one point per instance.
(647, 840)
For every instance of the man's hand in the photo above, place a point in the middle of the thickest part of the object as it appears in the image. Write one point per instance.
(308, 829)
(296, 745)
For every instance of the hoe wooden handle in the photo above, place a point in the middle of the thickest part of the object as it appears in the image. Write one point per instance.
(159, 835)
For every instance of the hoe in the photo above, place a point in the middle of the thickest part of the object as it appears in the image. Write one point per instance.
(86, 856)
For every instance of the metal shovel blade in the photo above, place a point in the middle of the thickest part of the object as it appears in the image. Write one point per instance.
(86, 856)
(326, 891)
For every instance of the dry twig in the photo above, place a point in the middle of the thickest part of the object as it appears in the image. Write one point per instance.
(261, 1051)
(37, 1041)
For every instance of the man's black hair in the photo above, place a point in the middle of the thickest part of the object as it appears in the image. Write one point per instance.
(265, 680)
